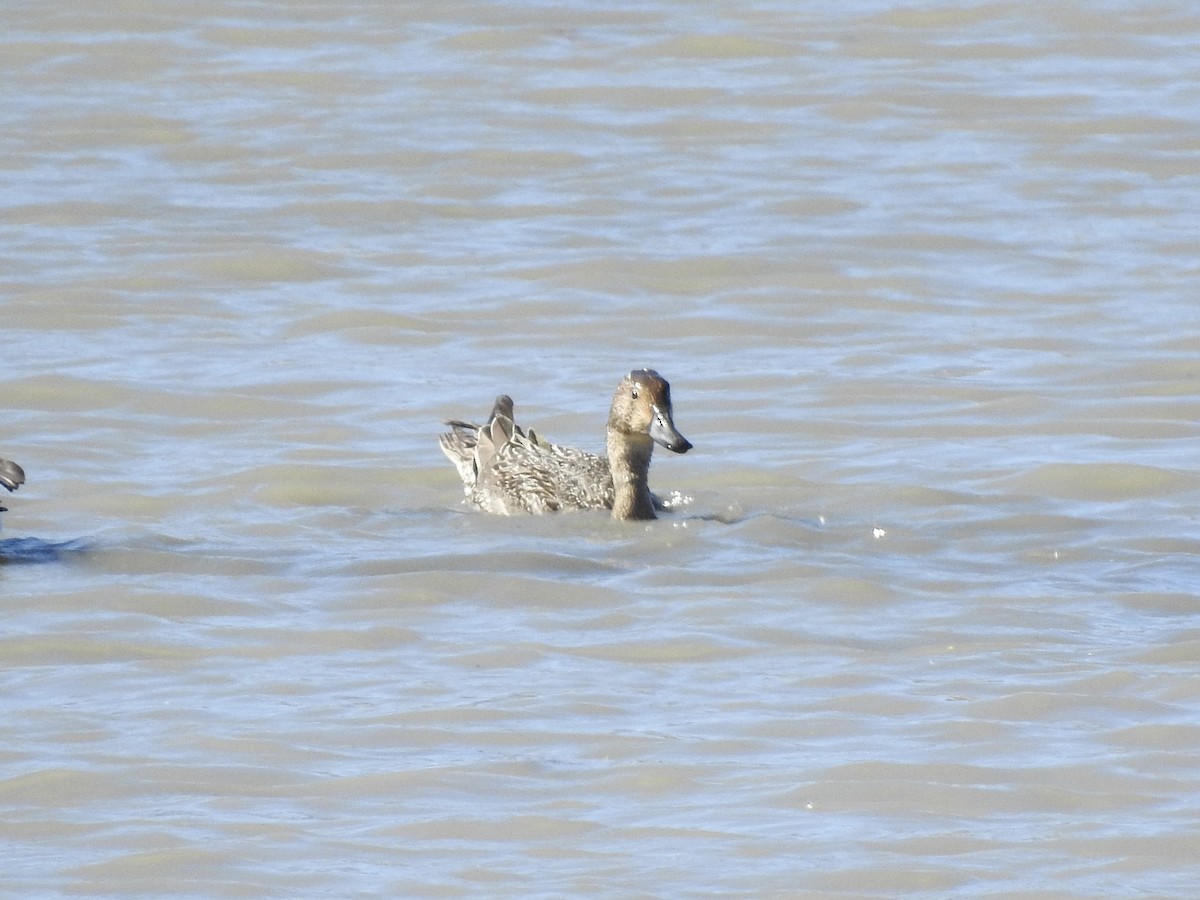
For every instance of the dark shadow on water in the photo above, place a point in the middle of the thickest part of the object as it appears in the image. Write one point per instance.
(36, 550)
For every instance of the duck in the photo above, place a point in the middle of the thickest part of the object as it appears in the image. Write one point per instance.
(507, 470)
(12, 476)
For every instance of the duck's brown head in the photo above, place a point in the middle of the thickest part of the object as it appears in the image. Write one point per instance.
(642, 405)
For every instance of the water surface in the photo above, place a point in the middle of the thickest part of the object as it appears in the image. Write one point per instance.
(921, 277)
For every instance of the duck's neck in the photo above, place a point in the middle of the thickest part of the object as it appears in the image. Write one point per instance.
(629, 462)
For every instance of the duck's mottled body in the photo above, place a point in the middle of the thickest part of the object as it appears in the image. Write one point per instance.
(506, 470)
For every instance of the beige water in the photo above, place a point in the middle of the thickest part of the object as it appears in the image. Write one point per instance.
(923, 279)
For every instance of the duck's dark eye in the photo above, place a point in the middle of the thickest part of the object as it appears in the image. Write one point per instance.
(633, 393)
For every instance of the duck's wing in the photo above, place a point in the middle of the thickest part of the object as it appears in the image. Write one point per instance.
(524, 473)
(460, 443)
(12, 476)
(508, 470)
(490, 439)
(515, 476)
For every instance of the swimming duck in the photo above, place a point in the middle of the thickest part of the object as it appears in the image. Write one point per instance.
(507, 470)
(12, 476)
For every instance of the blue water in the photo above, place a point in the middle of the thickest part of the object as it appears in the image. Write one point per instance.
(918, 277)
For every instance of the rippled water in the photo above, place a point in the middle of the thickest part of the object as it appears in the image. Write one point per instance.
(922, 277)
